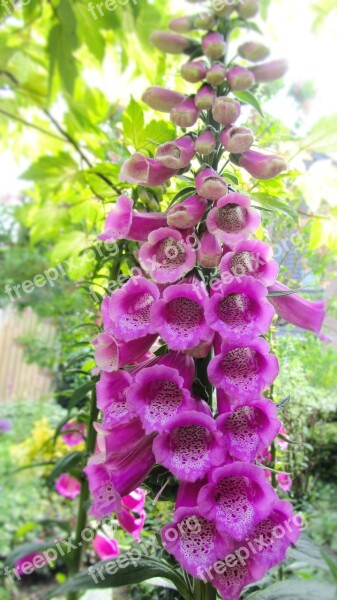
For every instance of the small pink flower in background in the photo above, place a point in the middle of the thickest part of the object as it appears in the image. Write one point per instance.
(31, 559)
(131, 523)
(284, 482)
(284, 445)
(105, 548)
(76, 433)
(68, 486)
(5, 426)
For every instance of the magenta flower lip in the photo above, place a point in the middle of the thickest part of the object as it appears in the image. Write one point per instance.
(111, 397)
(157, 395)
(238, 497)
(194, 541)
(233, 220)
(249, 258)
(166, 256)
(179, 316)
(124, 222)
(249, 429)
(177, 154)
(297, 310)
(240, 311)
(190, 446)
(130, 308)
(243, 369)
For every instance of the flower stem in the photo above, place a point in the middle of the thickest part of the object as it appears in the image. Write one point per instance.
(203, 591)
(84, 496)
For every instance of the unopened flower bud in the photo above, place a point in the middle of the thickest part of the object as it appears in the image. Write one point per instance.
(237, 139)
(188, 213)
(254, 51)
(216, 74)
(205, 97)
(162, 99)
(240, 79)
(205, 20)
(176, 154)
(226, 110)
(181, 25)
(248, 9)
(193, 71)
(209, 184)
(209, 253)
(269, 71)
(185, 114)
(260, 166)
(214, 45)
(223, 8)
(172, 43)
(206, 142)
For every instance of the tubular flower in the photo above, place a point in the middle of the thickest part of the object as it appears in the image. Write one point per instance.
(297, 310)
(209, 184)
(249, 258)
(248, 9)
(226, 110)
(111, 354)
(205, 97)
(73, 433)
(193, 540)
(269, 71)
(209, 252)
(253, 51)
(240, 79)
(238, 497)
(232, 220)
(68, 486)
(188, 213)
(189, 446)
(214, 45)
(186, 113)
(243, 369)
(130, 308)
(172, 43)
(262, 166)
(162, 99)
(124, 222)
(145, 171)
(177, 154)
(111, 397)
(249, 429)
(194, 71)
(237, 139)
(216, 74)
(156, 395)
(240, 311)
(206, 142)
(179, 317)
(105, 548)
(166, 256)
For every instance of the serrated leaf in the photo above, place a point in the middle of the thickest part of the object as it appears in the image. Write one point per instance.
(294, 589)
(249, 98)
(64, 465)
(110, 575)
(158, 132)
(133, 124)
(308, 552)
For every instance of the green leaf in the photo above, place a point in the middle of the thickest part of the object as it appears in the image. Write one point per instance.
(79, 394)
(230, 176)
(158, 132)
(308, 552)
(116, 573)
(182, 194)
(274, 203)
(89, 31)
(294, 589)
(332, 564)
(62, 43)
(249, 98)
(133, 124)
(64, 465)
(283, 403)
(52, 171)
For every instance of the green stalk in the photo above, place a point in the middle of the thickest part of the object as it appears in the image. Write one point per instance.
(203, 591)
(75, 564)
